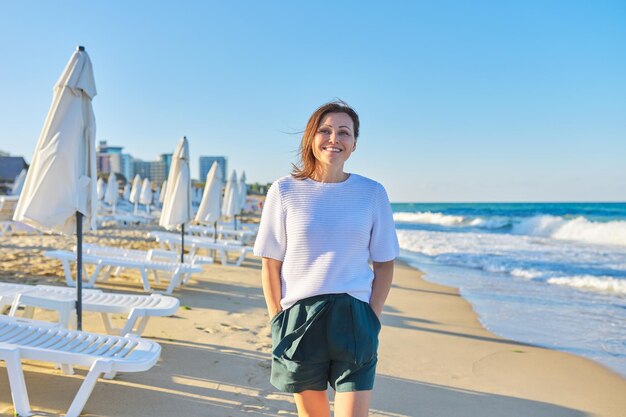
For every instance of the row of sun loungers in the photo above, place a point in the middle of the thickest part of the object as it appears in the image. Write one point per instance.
(105, 260)
(173, 242)
(121, 349)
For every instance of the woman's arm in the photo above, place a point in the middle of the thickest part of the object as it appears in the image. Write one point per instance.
(383, 275)
(270, 277)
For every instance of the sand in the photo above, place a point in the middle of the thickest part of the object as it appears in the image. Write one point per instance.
(435, 357)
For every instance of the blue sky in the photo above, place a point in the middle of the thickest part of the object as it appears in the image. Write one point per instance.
(459, 100)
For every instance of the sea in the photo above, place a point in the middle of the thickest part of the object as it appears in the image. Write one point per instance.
(548, 274)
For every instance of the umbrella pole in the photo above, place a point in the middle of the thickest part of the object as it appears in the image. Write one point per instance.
(182, 243)
(215, 231)
(79, 271)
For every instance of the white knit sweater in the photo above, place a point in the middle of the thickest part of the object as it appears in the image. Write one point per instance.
(325, 233)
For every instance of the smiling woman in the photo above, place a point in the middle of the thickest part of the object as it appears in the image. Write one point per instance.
(331, 123)
(319, 229)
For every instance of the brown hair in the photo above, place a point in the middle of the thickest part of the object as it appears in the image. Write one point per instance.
(306, 166)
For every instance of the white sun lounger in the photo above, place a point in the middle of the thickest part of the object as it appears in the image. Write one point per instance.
(176, 272)
(137, 308)
(172, 241)
(8, 226)
(123, 219)
(208, 231)
(245, 226)
(151, 254)
(8, 291)
(47, 342)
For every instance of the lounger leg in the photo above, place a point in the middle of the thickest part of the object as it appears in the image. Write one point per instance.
(156, 276)
(143, 322)
(68, 273)
(99, 367)
(135, 314)
(94, 276)
(174, 281)
(108, 326)
(17, 383)
(107, 273)
(144, 278)
(224, 257)
(240, 259)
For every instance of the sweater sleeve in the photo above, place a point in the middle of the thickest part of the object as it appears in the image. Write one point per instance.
(383, 239)
(271, 240)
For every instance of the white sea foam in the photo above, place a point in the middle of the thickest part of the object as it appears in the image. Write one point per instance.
(525, 257)
(578, 228)
(428, 217)
(554, 227)
(490, 223)
(526, 273)
(592, 283)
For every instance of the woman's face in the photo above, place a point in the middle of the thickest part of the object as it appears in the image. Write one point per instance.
(334, 140)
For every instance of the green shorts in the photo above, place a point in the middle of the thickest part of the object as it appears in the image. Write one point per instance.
(326, 339)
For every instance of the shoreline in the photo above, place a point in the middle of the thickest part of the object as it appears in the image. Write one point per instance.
(456, 353)
(435, 358)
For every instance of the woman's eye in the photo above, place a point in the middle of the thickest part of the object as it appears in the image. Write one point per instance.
(344, 133)
(324, 131)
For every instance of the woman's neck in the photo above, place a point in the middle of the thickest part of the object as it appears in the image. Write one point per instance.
(329, 174)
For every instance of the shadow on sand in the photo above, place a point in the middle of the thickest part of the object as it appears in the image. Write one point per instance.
(217, 381)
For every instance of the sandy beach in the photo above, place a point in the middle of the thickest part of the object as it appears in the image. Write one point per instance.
(435, 358)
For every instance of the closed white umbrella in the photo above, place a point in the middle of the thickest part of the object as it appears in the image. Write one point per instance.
(210, 209)
(145, 196)
(110, 197)
(243, 191)
(177, 201)
(100, 188)
(18, 184)
(59, 193)
(162, 195)
(126, 193)
(230, 207)
(156, 196)
(135, 191)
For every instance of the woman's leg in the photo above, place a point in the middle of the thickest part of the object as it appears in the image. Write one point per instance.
(352, 404)
(312, 404)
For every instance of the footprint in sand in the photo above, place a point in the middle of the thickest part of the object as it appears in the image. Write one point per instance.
(233, 327)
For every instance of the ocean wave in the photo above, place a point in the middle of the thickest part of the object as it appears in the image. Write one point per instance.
(441, 219)
(490, 223)
(428, 217)
(592, 283)
(578, 229)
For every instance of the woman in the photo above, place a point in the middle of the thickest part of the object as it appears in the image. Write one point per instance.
(319, 228)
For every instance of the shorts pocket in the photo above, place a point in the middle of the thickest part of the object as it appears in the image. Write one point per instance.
(366, 328)
(375, 317)
(276, 316)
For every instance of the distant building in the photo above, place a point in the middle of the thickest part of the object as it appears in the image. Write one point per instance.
(155, 171)
(10, 167)
(111, 159)
(207, 161)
